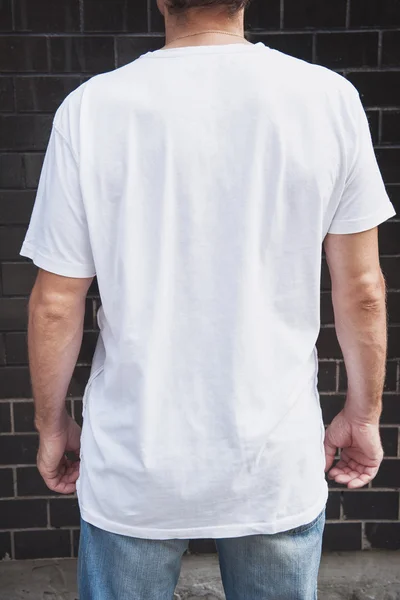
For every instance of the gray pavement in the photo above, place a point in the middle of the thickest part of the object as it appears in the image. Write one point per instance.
(366, 575)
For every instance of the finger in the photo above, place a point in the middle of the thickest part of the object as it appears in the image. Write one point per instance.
(340, 467)
(359, 482)
(330, 453)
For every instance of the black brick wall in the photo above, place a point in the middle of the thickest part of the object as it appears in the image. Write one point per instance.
(49, 47)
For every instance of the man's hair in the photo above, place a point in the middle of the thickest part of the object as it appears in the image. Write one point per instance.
(180, 6)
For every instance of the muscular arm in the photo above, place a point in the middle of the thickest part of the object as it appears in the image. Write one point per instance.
(56, 314)
(358, 293)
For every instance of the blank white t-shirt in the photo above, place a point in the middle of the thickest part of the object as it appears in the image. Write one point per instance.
(198, 184)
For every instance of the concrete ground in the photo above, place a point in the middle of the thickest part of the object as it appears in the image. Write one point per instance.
(344, 576)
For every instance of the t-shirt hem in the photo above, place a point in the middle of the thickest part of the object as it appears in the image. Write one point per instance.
(210, 531)
(53, 266)
(359, 225)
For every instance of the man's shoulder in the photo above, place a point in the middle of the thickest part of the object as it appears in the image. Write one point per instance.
(310, 76)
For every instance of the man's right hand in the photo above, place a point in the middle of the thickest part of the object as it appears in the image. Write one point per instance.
(361, 454)
(59, 473)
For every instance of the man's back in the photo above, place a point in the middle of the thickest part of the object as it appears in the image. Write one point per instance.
(206, 179)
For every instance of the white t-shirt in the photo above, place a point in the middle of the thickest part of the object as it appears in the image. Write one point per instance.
(198, 185)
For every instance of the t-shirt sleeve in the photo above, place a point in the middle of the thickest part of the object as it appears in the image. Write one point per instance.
(58, 238)
(364, 203)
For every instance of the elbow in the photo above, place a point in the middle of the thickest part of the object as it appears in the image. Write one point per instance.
(372, 294)
(51, 306)
(367, 293)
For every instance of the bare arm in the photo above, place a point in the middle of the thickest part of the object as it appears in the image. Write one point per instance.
(56, 314)
(358, 293)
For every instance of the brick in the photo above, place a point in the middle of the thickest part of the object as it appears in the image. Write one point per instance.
(342, 536)
(88, 322)
(23, 53)
(333, 505)
(115, 15)
(18, 278)
(75, 542)
(327, 376)
(15, 382)
(24, 417)
(306, 14)
(6, 94)
(358, 49)
(370, 505)
(78, 382)
(391, 125)
(262, 16)
(94, 289)
(2, 350)
(42, 544)
(22, 514)
(5, 18)
(130, 48)
(373, 121)
(327, 316)
(388, 474)
(43, 94)
(377, 88)
(326, 284)
(5, 418)
(394, 342)
(370, 13)
(331, 406)
(298, 45)
(88, 347)
(13, 314)
(47, 16)
(25, 132)
(390, 439)
(390, 381)
(327, 344)
(5, 545)
(30, 483)
(18, 450)
(202, 546)
(389, 235)
(394, 195)
(393, 302)
(157, 23)
(388, 160)
(6, 483)
(391, 49)
(78, 412)
(391, 270)
(33, 163)
(391, 409)
(64, 512)
(11, 171)
(383, 536)
(11, 239)
(16, 206)
(16, 348)
(82, 54)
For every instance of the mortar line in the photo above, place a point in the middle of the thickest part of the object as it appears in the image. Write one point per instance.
(81, 16)
(281, 14)
(12, 544)
(380, 45)
(12, 416)
(148, 17)
(348, 14)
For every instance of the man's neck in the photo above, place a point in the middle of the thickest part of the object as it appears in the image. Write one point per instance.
(195, 29)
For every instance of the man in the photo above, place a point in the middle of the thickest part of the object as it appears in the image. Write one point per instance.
(198, 183)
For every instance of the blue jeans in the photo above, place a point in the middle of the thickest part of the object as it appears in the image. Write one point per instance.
(283, 566)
